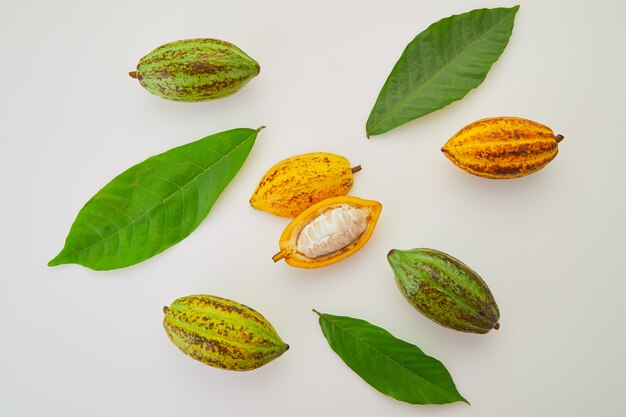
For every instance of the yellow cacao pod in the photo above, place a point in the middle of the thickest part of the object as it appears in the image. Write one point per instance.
(502, 147)
(296, 183)
(222, 333)
(328, 232)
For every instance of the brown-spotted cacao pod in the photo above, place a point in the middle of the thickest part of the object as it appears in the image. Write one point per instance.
(296, 183)
(222, 333)
(195, 70)
(444, 289)
(502, 147)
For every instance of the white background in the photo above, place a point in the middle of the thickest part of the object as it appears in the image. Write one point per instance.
(76, 342)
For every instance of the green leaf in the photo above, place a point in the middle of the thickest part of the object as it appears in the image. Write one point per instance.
(392, 366)
(156, 203)
(441, 65)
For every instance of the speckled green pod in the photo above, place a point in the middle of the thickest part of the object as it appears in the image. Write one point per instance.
(195, 70)
(445, 290)
(222, 333)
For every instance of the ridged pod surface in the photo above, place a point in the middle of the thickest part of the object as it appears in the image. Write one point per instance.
(502, 147)
(195, 70)
(335, 228)
(222, 333)
(445, 290)
(296, 183)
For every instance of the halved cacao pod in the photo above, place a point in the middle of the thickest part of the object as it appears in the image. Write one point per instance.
(296, 183)
(502, 147)
(328, 232)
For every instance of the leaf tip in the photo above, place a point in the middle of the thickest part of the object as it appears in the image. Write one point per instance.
(56, 261)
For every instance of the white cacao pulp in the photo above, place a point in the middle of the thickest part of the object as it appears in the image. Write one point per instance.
(331, 231)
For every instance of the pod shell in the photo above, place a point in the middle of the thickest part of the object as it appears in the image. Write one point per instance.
(222, 333)
(444, 289)
(296, 183)
(196, 70)
(289, 238)
(502, 147)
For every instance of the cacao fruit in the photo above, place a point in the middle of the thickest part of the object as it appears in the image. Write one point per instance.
(296, 183)
(445, 290)
(502, 147)
(195, 70)
(328, 232)
(222, 333)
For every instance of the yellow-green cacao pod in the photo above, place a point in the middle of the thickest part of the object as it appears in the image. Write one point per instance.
(222, 333)
(195, 70)
(445, 290)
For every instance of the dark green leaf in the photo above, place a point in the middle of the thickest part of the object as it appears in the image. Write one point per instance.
(392, 366)
(156, 203)
(441, 65)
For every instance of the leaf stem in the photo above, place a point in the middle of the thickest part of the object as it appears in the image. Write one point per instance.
(260, 128)
(317, 312)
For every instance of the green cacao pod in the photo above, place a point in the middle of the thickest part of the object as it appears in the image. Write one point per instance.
(445, 290)
(195, 70)
(222, 333)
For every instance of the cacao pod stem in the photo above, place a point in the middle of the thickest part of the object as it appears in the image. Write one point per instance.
(356, 169)
(497, 326)
(280, 255)
(133, 74)
(559, 138)
(165, 308)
